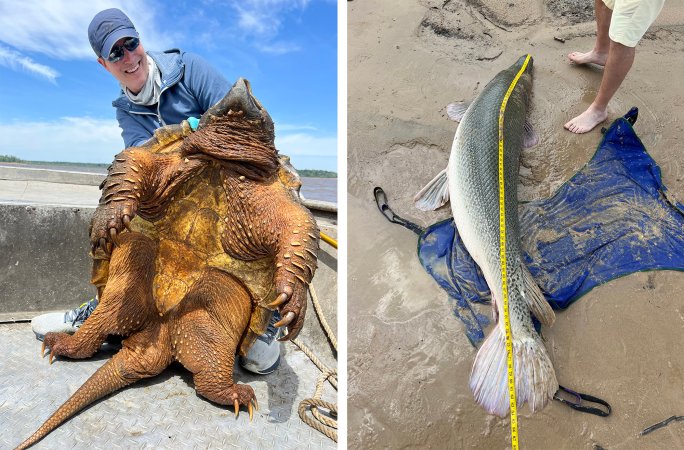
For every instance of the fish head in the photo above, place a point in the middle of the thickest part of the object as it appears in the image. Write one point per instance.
(526, 62)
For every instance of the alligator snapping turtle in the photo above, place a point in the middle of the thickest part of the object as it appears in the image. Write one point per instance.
(197, 238)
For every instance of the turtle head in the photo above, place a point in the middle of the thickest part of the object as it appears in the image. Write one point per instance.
(240, 101)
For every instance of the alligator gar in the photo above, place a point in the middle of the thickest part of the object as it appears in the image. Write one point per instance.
(472, 179)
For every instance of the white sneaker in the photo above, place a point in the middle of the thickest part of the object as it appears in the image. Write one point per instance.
(264, 355)
(67, 322)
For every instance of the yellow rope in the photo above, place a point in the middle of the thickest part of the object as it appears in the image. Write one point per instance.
(328, 239)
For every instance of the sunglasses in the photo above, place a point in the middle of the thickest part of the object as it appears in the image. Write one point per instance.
(117, 52)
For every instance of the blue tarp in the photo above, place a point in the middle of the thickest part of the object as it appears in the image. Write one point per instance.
(611, 219)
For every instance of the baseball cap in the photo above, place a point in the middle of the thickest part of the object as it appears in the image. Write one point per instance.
(106, 28)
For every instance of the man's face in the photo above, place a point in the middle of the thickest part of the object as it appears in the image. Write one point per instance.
(131, 70)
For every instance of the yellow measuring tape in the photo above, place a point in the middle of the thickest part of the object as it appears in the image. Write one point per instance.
(502, 247)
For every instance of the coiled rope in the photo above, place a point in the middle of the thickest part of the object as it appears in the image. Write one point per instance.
(320, 419)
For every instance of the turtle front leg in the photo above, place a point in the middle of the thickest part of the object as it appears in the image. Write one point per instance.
(266, 220)
(295, 267)
(139, 182)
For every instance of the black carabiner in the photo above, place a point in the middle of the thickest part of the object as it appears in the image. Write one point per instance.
(578, 405)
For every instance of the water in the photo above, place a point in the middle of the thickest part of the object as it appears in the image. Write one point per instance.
(324, 189)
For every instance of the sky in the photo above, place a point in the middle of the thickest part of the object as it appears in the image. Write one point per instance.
(56, 100)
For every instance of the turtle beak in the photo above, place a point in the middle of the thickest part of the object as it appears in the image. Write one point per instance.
(252, 98)
(240, 99)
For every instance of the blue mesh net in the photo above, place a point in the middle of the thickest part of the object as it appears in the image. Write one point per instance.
(612, 218)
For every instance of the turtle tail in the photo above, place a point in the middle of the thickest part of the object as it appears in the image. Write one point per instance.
(105, 380)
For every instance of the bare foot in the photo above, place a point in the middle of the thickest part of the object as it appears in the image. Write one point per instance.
(592, 57)
(587, 120)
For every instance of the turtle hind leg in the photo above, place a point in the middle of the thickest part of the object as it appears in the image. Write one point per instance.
(126, 303)
(144, 354)
(210, 323)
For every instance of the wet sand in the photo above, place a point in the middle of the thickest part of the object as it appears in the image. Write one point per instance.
(409, 360)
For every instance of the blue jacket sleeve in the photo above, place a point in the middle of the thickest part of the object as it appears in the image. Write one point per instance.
(208, 85)
(132, 131)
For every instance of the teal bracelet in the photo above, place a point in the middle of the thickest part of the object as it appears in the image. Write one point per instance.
(194, 123)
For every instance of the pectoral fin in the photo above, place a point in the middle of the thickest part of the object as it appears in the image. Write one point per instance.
(457, 110)
(530, 138)
(434, 194)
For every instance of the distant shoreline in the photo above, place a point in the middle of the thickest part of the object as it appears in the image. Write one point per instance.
(93, 167)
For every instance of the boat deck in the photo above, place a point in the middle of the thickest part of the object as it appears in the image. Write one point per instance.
(161, 412)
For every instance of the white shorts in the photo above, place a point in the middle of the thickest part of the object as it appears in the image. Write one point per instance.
(631, 19)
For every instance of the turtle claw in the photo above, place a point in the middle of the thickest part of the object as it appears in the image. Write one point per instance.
(114, 236)
(107, 223)
(289, 317)
(240, 395)
(282, 298)
(126, 222)
(42, 350)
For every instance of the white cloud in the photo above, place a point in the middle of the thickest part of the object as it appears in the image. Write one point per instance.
(59, 28)
(72, 139)
(278, 48)
(306, 144)
(263, 17)
(293, 127)
(16, 61)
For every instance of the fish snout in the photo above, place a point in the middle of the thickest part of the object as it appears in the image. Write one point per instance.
(525, 58)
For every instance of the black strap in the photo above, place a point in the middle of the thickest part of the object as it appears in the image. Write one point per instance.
(381, 201)
(661, 424)
(578, 405)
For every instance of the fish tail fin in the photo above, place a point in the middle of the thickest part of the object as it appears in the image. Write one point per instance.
(536, 300)
(434, 194)
(535, 379)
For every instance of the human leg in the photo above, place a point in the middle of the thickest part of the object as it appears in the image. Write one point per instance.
(620, 59)
(629, 21)
(599, 53)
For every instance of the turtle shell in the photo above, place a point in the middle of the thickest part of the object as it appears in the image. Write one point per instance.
(189, 234)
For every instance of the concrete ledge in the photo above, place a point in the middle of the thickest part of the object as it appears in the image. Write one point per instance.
(44, 261)
(50, 175)
(64, 177)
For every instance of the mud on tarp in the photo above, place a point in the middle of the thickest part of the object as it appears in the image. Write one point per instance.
(611, 219)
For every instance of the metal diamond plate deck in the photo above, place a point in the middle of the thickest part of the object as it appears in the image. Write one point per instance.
(160, 413)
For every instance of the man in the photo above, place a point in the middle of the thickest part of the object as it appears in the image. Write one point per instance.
(157, 89)
(620, 25)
